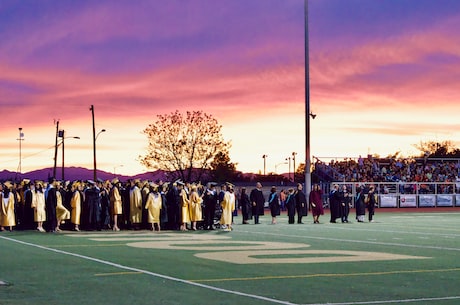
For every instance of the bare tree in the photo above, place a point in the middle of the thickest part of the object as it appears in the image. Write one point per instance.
(435, 149)
(184, 145)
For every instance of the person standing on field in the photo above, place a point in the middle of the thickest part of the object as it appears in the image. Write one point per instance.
(258, 201)
(316, 203)
(371, 202)
(345, 201)
(274, 204)
(291, 205)
(246, 207)
(301, 203)
(228, 206)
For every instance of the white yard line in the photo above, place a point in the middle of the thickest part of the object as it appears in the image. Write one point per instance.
(391, 301)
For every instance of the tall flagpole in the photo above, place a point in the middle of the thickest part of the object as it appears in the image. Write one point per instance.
(307, 108)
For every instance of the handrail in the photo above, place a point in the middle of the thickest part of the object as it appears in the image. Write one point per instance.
(395, 194)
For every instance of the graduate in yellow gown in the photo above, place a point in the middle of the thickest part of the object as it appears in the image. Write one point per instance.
(228, 206)
(184, 202)
(7, 216)
(135, 204)
(38, 205)
(75, 203)
(196, 213)
(153, 206)
(116, 203)
(62, 214)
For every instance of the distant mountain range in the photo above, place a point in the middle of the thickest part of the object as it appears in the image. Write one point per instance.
(77, 173)
(80, 173)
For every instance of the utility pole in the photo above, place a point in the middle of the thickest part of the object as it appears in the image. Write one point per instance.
(307, 107)
(94, 145)
(56, 149)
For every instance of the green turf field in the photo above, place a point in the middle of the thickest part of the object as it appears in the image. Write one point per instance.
(402, 258)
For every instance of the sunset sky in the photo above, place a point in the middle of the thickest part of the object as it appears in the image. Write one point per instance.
(385, 75)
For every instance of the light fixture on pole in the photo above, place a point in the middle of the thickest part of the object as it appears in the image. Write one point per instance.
(276, 166)
(289, 167)
(115, 167)
(95, 170)
(293, 165)
(94, 143)
(20, 139)
(264, 157)
(62, 136)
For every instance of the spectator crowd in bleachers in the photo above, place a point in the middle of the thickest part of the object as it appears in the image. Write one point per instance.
(372, 169)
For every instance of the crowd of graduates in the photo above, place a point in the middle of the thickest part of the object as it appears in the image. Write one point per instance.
(101, 205)
(90, 205)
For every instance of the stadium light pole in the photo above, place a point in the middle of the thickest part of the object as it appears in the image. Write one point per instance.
(265, 158)
(293, 165)
(307, 107)
(289, 166)
(115, 168)
(20, 139)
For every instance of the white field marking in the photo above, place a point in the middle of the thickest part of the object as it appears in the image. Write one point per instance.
(367, 229)
(156, 235)
(390, 301)
(353, 241)
(250, 257)
(381, 229)
(217, 245)
(247, 252)
(159, 237)
(158, 275)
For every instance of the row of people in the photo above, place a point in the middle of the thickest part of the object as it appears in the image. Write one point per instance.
(96, 205)
(390, 170)
(340, 202)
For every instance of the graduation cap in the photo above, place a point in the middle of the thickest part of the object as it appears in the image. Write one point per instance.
(8, 184)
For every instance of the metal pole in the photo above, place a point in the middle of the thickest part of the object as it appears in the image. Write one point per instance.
(293, 165)
(20, 149)
(264, 157)
(307, 107)
(94, 144)
(63, 136)
(55, 149)
(289, 168)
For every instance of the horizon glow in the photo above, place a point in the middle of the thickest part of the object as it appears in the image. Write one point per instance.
(384, 76)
